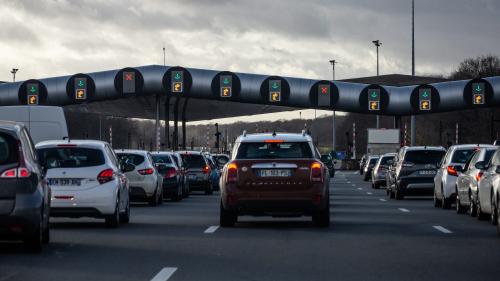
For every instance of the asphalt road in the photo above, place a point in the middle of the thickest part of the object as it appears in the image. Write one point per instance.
(371, 238)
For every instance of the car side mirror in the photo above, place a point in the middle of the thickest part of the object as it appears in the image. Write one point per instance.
(480, 165)
(127, 167)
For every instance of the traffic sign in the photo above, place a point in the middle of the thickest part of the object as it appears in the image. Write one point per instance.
(274, 90)
(424, 98)
(128, 82)
(32, 99)
(177, 81)
(324, 95)
(478, 93)
(374, 99)
(81, 88)
(226, 86)
(177, 87)
(80, 94)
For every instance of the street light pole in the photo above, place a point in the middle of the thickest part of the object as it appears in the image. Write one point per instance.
(332, 62)
(14, 71)
(377, 44)
(413, 120)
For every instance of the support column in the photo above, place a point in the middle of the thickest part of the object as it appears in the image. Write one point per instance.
(157, 124)
(183, 118)
(334, 134)
(167, 122)
(397, 122)
(413, 129)
(175, 140)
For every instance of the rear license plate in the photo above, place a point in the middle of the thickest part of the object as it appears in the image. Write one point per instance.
(427, 172)
(275, 173)
(192, 177)
(76, 182)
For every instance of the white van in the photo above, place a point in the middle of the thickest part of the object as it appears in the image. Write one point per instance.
(43, 122)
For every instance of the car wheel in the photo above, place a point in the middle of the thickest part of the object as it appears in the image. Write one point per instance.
(498, 217)
(494, 214)
(35, 240)
(437, 202)
(472, 206)
(125, 216)
(479, 213)
(399, 194)
(322, 217)
(209, 189)
(46, 233)
(113, 221)
(227, 218)
(445, 202)
(392, 194)
(177, 196)
(188, 190)
(153, 200)
(459, 208)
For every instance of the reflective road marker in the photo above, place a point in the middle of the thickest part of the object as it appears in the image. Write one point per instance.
(442, 229)
(404, 210)
(382, 199)
(211, 229)
(164, 274)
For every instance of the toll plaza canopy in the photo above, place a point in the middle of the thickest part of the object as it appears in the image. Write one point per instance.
(133, 92)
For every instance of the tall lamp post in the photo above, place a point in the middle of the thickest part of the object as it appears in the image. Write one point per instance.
(413, 120)
(14, 71)
(377, 44)
(332, 62)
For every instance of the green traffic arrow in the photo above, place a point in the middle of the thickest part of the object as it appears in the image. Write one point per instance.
(425, 94)
(226, 81)
(374, 94)
(478, 88)
(275, 85)
(177, 76)
(33, 89)
(80, 83)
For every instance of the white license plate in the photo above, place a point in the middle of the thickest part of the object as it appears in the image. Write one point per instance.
(63, 182)
(429, 172)
(192, 177)
(275, 173)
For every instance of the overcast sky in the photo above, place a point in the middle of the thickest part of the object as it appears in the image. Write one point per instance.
(290, 38)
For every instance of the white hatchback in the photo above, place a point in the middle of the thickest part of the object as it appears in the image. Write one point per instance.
(86, 180)
(145, 181)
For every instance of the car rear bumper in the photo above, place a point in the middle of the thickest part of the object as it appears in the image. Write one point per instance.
(417, 185)
(24, 218)
(196, 185)
(101, 198)
(170, 186)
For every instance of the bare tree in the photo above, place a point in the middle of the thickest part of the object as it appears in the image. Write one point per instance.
(482, 66)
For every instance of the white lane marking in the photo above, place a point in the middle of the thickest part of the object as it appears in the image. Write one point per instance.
(353, 184)
(7, 277)
(382, 199)
(348, 182)
(369, 193)
(355, 173)
(211, 229)
(164, 274)
(404, 210)
(359, 188)
(442, 229)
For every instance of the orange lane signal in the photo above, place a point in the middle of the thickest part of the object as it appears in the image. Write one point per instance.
(425, 105)
(80, 94)
(32, 99)
(177, 87)
(225, 92)
(275, 96)
(478, 99)
(374, 105)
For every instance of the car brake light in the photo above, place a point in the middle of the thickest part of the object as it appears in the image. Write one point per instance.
(232, 172)
(23, 173)
(148, 171)
(206, 169)
(66, 145)
(316, 172)
(105, 176)
(10, 173)
(274, 141)
(479, 175)
(451, 171)
(171, 173)
(16, 173)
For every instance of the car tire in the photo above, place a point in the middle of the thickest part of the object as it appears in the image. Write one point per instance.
(479, 213)
(445, 202)
(177, 196)
(46, 233)
(322, 217)
(494, 214)
(113, 221)
(472, 207)
(392, 194)
(34, 242)
(227, 218)
(209, 189)
(153, 200)
(125, 216)
(437, 202)
(399, 194)
(498, 217)
(459, 208)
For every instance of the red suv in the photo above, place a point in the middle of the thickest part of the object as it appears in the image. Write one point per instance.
(279, 175)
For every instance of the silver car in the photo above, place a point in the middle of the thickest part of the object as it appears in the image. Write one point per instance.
(379, 172)
(468, 179)
(488, 195)
(370, 163)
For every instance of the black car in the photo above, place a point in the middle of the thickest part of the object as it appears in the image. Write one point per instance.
(172, 177)
(24, 193)
(328, 161)
(413, 171)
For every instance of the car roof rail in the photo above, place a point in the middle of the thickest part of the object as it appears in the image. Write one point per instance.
(304, 132)
(244, 133)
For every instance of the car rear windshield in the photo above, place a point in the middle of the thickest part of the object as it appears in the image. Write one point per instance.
(373, 161)
(131, 158)
(194, 160)
(161, 159)
(70, 157)
(424, 156)
(9, 152)
(283, 150)
(488, 154)
(462, 155)
(386, 159)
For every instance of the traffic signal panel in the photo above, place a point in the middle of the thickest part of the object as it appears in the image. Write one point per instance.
(324, 95)
(33, 91)
(81, 88)
(374, 99)
(424, 99)
(478, 93)
(128, 82)
(274, 90)
(177, 81)
(226, 86)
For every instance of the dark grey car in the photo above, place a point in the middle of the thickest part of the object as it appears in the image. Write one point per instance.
(24, 193)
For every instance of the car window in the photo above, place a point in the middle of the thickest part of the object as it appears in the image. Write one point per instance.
(112, 156)
(373, 161)
(472, 160)
(9, 152)
(282, 150)
(488, 154)
(70, 157)
(161, 159)
(462, 155)
(386, 159)
(194, 160)
(424, 156)
(131, 158)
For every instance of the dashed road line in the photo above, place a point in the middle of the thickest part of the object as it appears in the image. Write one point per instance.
(442, 229)
(359, 188)
(164, 274)
(382, 200)
(211, 229)
(404, 210)
(369, 193)
(353, 184)
(7, 277)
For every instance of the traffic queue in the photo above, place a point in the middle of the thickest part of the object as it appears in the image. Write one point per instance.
(466, 176)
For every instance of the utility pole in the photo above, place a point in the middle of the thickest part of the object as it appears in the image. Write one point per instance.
(377, 44)
(157, 117)
(413, 120)
(334, 135)
(14, 71)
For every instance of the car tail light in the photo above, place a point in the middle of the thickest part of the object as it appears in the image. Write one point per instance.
(316, 172)
(451, 171)
(19, 172)
(479, 175)
(105, 176)
(10, 173)
(148, 171)
(206, 169)
(232, 172)
(171, 173)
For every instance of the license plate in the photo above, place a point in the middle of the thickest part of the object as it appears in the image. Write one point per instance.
(76, 182)
(275, 173)
(192, 177)
(428, 172)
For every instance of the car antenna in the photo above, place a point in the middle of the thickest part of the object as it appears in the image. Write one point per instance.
(244, 133)
(303, 132)
(274, 133)
(66, 138)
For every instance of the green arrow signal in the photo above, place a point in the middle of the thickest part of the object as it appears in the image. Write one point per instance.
(177, 76)
(275, 85)
(374, 94)
(478, 88)
(226, 81)
(32, 89)
(80, 83)
(425, 94)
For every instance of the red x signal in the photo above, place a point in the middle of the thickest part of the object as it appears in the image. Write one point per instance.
(324, 90)
(128, 76)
